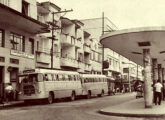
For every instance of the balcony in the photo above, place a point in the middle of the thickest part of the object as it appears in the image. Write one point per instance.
(69, 62)
(81, 65)
(5, 2)
(21, 54)
(41, 19)
(8, 16)
(87, 67)
(67, 40)
(78, 42)
(87, 48)
(43, 57)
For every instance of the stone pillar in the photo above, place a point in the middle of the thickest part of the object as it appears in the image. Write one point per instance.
(154, 66)
(160, 72)
(148, 92)
(163, 95)
(154, 74)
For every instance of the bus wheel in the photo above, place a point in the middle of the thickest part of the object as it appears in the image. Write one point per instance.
(73, 96)
(50, 98)
(89, 95)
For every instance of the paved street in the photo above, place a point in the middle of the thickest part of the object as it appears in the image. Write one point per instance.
(78, 110)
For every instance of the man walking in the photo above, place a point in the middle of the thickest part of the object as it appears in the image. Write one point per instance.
(158, 92)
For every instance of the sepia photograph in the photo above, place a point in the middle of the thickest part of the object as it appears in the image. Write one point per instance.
(82, 60)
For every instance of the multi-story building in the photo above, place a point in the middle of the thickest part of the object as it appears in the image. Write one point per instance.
(18, 29)
(95, 28)
(113, 66)
(48, 44)
(68, 46)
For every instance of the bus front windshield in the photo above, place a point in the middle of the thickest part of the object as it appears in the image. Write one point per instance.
(30, 78)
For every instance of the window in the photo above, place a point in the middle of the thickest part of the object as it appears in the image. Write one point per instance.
(69, 77)
(31, 45)
(17, 42)
(25, 6)
(2, 38)
(38, 45)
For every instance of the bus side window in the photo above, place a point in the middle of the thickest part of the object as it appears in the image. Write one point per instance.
(69, 77)
(46, 77)
(63, 77)
(52, 77)
(57, 77)
(93, 79)
(40, 77)
(78, 77)
(96, 79)
(60, 77)
(66, 77)
(75, 78)
(49, 77)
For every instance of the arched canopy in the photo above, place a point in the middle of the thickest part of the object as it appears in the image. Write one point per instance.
(131, 42)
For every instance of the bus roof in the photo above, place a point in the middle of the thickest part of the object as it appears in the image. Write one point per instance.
(39, 70)
(93, 75)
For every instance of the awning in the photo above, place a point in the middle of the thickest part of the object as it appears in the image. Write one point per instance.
(10, 17)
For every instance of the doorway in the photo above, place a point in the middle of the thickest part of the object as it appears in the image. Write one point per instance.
(1, 81)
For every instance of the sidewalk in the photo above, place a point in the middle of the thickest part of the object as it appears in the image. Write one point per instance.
(135, 108)
(8, 104)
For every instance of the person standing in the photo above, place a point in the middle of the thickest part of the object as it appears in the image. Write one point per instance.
(158, 92)
(9, 92)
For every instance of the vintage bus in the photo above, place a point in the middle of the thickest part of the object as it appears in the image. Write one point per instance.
(49, 84)
(94, 85)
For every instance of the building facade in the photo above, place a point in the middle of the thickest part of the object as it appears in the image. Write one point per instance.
(37, 35)
(18, 30)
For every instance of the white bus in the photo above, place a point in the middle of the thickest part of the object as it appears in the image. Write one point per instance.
(49, 84)
(93, 84)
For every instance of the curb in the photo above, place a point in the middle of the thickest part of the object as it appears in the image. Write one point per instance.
(7, 105)
(130, 114)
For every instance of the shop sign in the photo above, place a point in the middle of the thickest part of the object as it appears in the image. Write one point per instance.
(21, 54)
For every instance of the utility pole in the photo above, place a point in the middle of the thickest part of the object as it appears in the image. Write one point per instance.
(53, 37)
(137, 71)
(102, 45)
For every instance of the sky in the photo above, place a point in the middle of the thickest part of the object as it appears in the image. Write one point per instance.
(124, 14)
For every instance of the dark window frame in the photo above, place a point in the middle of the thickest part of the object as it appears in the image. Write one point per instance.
(2, 38)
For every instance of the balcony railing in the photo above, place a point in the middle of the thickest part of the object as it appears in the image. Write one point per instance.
(21, 54)
(67, 40)
(87, 48)
(43, 57)
(87, 67)
(41, 19)
(5, 2)
(69, 62)
(78, 42)
(81, 65)
(70, 40)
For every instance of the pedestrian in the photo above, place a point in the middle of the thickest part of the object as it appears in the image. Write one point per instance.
(9, 92)
(158, 92)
